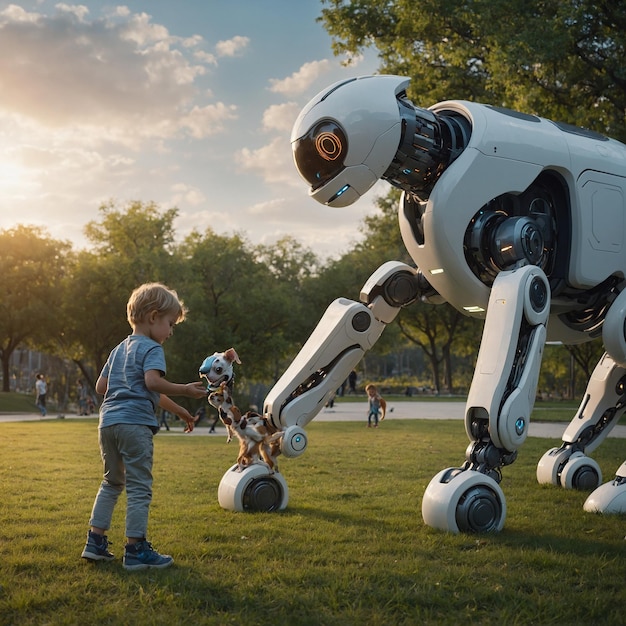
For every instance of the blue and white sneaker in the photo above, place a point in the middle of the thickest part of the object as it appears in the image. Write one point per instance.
(142, 555)
(97, 548)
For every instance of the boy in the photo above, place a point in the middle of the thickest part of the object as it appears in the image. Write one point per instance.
(133, 385)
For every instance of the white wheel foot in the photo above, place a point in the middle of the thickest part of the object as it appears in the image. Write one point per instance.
(571, 470)
(608, 498)
(464, 501)
(255, 488)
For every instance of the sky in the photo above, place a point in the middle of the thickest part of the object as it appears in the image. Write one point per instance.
(184, 103)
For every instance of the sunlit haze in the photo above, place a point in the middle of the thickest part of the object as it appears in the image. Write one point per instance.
(187, 104)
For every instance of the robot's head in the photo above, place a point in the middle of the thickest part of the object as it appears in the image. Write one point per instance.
(357, 131)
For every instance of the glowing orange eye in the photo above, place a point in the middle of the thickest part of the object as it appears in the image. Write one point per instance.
(328, 146)
(320, 154)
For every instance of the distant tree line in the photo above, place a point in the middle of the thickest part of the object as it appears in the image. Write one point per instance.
(263, 300)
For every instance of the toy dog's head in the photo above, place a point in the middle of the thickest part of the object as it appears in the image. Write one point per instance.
(218, 368)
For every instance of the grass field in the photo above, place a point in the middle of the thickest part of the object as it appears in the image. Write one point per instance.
(12, 402)
(351, 547)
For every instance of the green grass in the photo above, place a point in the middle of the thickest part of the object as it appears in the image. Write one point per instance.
(351, 547)
(11, 402)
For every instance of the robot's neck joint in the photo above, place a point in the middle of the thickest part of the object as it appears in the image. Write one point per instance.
(428, 144)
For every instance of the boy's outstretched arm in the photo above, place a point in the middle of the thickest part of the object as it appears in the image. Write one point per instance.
(156, 382)
(167, 404)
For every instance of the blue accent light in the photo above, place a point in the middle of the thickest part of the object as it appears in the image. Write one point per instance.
(342, 190)
(520, 425)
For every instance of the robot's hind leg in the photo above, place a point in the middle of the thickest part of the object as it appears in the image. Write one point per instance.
(568, 466)
(610, 497)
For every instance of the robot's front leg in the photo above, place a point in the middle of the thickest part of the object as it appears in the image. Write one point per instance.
(346, 331)
(499, 404)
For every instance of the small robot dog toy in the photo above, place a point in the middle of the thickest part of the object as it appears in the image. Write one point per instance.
(509, 217)
(259, 443)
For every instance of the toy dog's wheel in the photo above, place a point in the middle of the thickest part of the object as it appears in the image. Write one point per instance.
(255, 488)
(262, 494)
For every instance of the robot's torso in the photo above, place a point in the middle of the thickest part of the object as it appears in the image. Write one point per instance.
(573, 181)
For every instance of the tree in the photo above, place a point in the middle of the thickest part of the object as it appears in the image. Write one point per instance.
(131, 245)
(94, 303)
(32, 265)
(141, 236)
(559, 59)
(294, 290)
(240, 296)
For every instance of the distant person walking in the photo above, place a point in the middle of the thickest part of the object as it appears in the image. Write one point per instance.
(82, 393)
(352, 382)
(41, 389)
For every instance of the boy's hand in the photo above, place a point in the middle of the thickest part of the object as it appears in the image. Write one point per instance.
(196, 390)
(186, 416)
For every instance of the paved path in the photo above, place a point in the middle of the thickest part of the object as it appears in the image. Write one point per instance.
(357, 412)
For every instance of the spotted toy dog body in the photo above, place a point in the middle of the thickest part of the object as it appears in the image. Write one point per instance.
(258, 438)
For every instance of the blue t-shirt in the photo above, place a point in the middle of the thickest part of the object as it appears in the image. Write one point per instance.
(127, 399)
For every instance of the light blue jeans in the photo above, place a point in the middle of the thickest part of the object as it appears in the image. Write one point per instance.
(127, 454)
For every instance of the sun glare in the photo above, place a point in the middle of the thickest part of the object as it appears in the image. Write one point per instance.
(13, 178)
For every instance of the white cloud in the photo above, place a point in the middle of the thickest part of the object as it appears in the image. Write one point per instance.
(301, 80)
(15, 13)
(121, 77)
(122, 11)
(187, 195)
(142, 31)
(273, 162)
(272, 207)
(204, 121)
(79, 10)
(205, 57)
(232, 47)
(281, 116)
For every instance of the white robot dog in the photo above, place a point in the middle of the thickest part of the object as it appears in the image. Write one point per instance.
(509, 217)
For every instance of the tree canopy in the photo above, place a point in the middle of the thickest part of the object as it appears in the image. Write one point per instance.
(561, 59)
(32, 266)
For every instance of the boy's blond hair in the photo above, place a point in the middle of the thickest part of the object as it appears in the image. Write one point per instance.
(153, 297)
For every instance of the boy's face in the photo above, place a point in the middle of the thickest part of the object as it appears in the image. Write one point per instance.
(162, 326)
